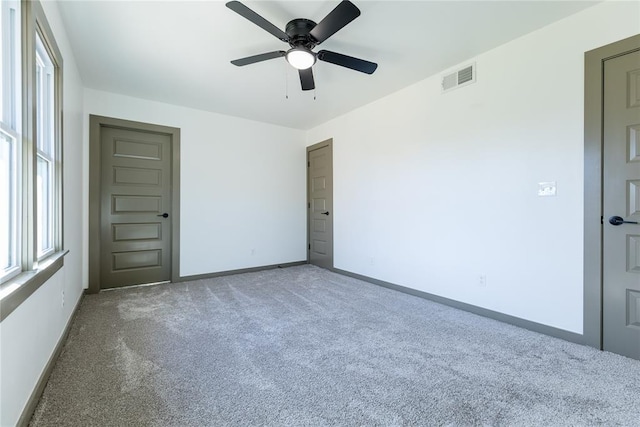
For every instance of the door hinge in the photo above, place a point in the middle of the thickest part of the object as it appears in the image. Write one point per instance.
(309, 247)
(308, 205)
(308, 164)
(601, 220)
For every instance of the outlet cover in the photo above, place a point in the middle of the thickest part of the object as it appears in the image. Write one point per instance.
(547, 189)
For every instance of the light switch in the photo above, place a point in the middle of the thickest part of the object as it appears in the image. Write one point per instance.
(546, 189)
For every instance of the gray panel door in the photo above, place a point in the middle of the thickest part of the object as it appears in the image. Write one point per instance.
(621, 195)
(320, 191)
(135, 237)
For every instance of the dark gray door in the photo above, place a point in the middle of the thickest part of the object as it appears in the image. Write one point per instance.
(621, 195)
(135, 220)
(320, 197)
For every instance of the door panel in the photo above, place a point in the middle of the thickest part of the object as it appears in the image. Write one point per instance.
(621, 196)
(137, 149)
(136, 259)
(135, 240)
(320, 196)
(137, 176)
(122, 204)
(138, 231)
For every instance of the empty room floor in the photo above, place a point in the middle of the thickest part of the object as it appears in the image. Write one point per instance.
(306, 346)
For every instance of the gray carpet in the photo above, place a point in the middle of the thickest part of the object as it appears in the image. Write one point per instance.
(303, 346)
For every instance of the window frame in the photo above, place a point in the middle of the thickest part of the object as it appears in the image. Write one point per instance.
(11, 125)
(50, 151)
(35, 269)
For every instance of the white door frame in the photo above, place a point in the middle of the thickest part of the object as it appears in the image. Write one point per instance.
(95, 124)
(593, 184)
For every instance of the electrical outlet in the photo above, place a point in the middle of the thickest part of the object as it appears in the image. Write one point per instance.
(253, 252)
(547, 189)
(482, 280)
(63, 298)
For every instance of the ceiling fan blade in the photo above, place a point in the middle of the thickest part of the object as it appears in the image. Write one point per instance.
(249, 14)
(347, 61)
(258, 58)
(306, 79)
(344, 13)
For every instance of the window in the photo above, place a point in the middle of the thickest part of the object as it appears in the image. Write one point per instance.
(9, 199)
(30, 150)
(10, 139)
(45, 157)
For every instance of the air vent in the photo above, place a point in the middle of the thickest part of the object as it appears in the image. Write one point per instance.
(461, 77)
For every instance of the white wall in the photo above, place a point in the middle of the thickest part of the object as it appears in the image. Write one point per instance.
(243, 187)
(433, 190)
(29, 334)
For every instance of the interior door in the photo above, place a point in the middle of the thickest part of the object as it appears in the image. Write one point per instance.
(135, 216)
(621, 197)
(320, 204)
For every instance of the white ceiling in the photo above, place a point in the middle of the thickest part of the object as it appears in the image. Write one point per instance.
(178, 52)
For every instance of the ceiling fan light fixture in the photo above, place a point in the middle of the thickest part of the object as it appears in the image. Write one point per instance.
(300, 58)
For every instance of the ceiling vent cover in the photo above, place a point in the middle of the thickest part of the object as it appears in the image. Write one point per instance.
(461, 77)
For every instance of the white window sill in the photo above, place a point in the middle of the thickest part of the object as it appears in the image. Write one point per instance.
(17, 290)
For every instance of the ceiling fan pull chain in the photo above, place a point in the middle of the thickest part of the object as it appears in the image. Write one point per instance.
(314, 87)
(286, 81)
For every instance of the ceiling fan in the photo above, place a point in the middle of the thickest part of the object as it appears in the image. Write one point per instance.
(303, 35)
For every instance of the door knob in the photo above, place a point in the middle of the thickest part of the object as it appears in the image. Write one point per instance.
(618, 220)
(325, 213)
(164, 215)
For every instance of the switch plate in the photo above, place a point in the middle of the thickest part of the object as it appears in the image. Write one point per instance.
(546, 189)
(482, 280)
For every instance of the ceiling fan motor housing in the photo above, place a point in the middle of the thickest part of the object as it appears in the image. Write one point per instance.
(298, 31)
